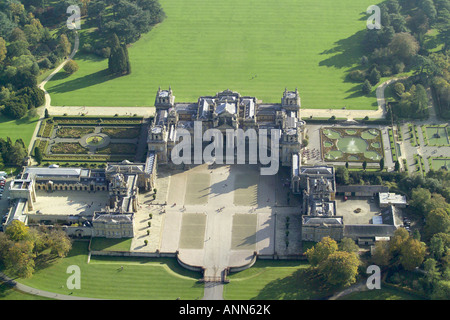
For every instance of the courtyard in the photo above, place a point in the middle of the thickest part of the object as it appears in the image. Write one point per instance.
(218, 216)
(67, 203)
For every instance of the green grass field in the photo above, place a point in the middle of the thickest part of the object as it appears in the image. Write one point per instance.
(8, 293)
(439, 163)
(141, 278)
(274, 280)
(16, 129)
(105, 244)
(255, 47)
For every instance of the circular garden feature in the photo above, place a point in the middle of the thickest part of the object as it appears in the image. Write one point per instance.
(341, 144)
(95, 140)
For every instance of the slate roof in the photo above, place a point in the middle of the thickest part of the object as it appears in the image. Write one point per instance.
(369, 230)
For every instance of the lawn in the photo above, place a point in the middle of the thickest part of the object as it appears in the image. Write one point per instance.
(255, 47)
(110, 244)
(16, 129)
(437, 136)
(440, 163)
(274, 280)
(103, 277)
(8, 293)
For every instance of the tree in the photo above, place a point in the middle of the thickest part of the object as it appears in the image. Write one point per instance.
(37, 155)
(348, 245)
(18, 153)
(438, 221)
(381, 255)
(64, 45)
(117, 62)
(342, 175)
(428, 8)
(432, 272)
(321, 251)
(59, 243)
(441, 291)
(396, 242)
(19, 260)
(396, 166)
(399, 89)
(17, 49)
(419, 199)
(437, 246)
(46, 114)
(393, 6)
(374, 76)
(364, 165)
(17, 231)
(6, 25)
(381, 164)
(71, 67)
(340, 268)
(3, 49)
(366, 87)
(412, 254)
(5, 244)
(404, 46)
(15, 108)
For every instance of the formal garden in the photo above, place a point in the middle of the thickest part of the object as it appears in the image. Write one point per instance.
(351, 144)
(436, 135)
(92, 139)
(438, 163)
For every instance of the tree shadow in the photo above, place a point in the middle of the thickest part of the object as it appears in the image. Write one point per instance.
(80, 83)
(346, 53)
(44, 260)
(303, 284)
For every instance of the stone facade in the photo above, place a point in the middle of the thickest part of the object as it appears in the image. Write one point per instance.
(226, 110)
(122, 181)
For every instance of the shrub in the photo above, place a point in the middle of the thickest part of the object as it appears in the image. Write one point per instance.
(105, 52)
(87, 48)
(367, 87)
(398, 67)
(357, 75)
(45, 64)
(399, 89)
(71, 67)
(374, 76)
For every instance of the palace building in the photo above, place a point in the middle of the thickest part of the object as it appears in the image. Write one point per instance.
(226, 110)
